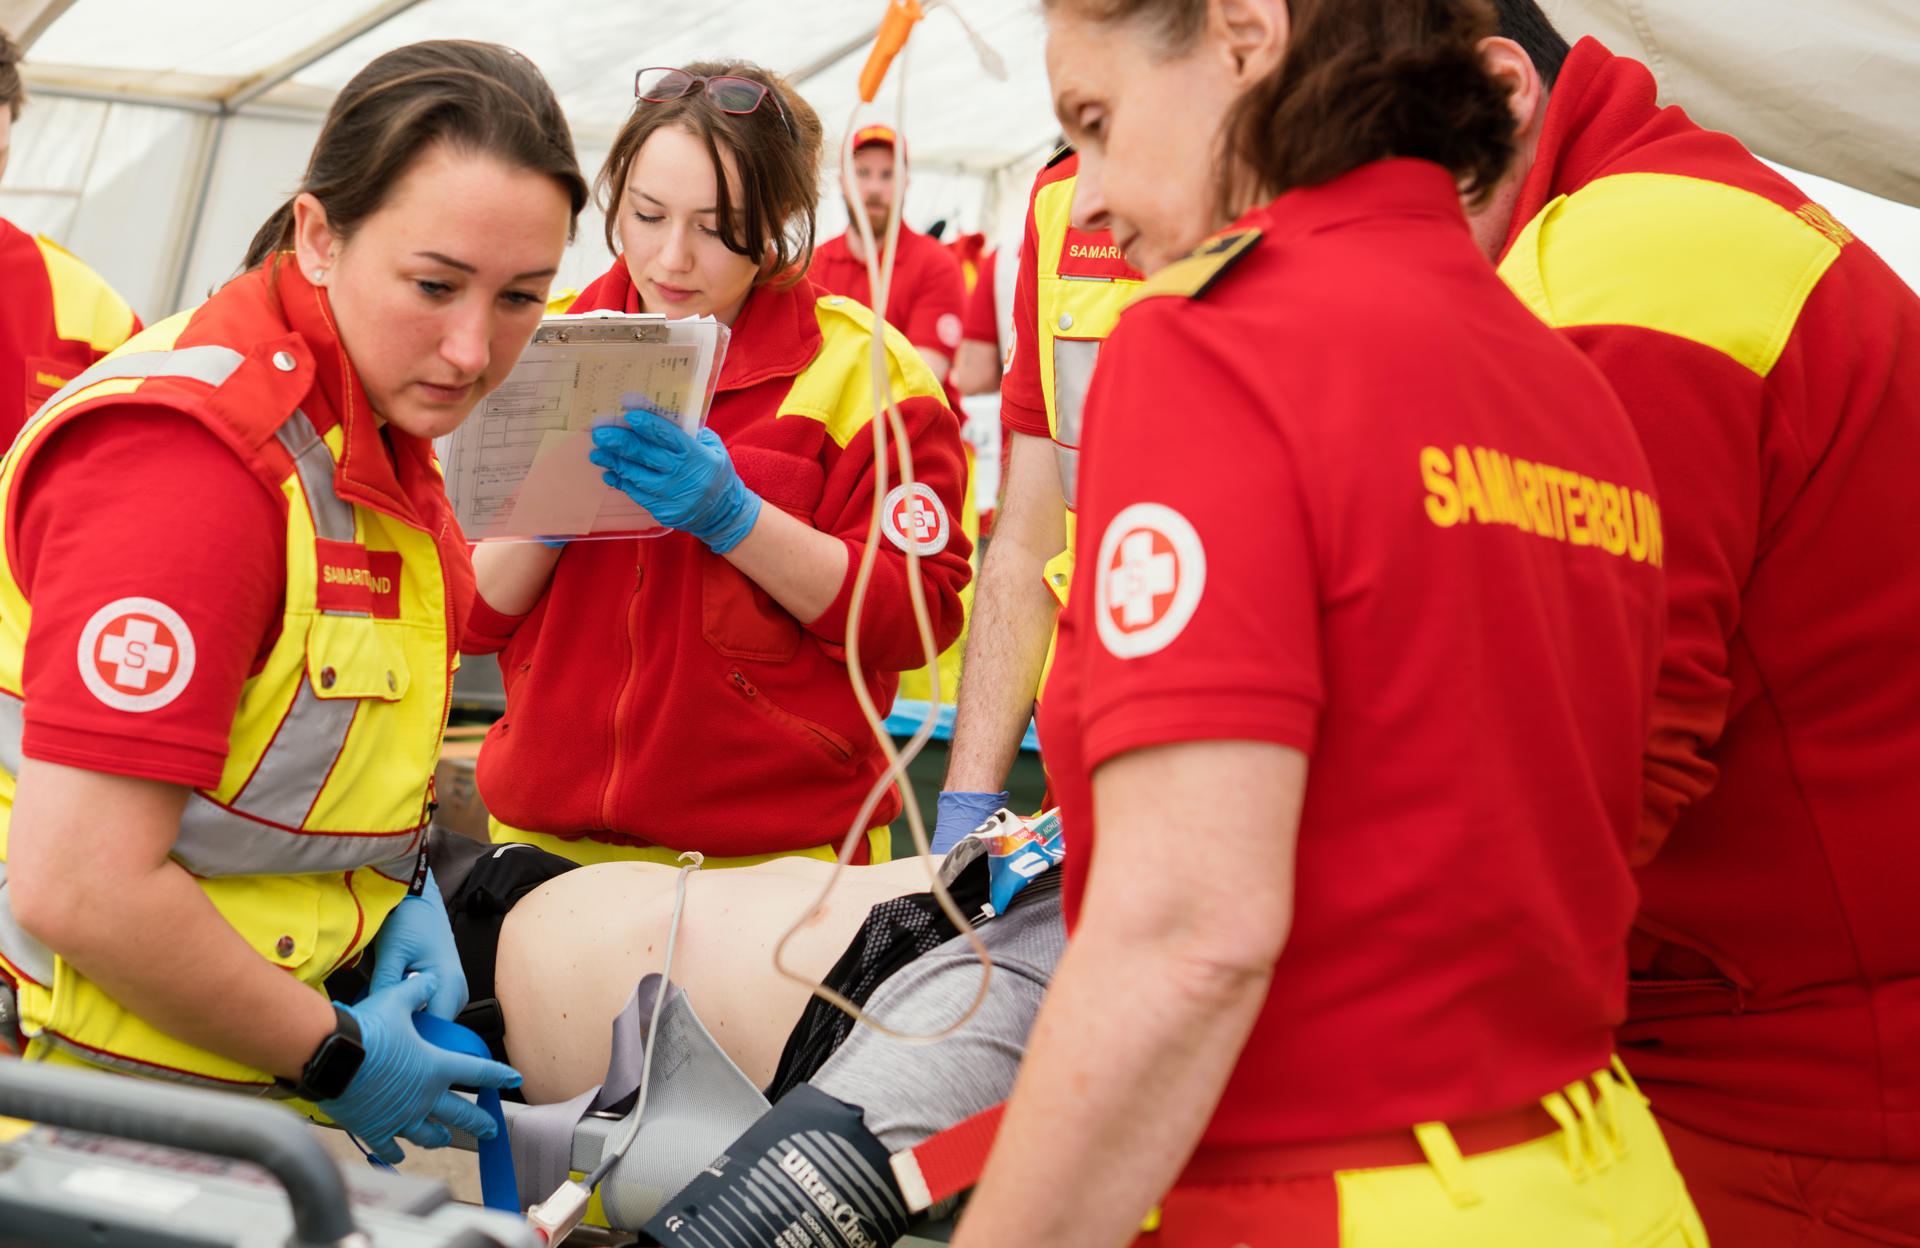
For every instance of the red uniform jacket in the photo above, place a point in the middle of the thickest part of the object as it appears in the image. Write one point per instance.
(1771, 363)
(656, 696)
(56, 318)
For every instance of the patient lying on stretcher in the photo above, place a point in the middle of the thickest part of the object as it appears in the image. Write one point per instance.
(571, 951)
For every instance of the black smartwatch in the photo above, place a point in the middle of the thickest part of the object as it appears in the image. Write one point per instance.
(333, 1065)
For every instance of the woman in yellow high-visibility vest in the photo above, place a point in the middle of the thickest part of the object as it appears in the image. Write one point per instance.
(230, 599)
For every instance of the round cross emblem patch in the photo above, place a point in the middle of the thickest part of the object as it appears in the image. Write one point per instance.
(136, 654)
(917, 521)
(1150, 574)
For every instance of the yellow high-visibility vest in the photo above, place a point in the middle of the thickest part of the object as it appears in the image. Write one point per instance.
(1075, 315)
(311, 836)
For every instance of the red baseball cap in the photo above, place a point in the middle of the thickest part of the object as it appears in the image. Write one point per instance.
(867, 135)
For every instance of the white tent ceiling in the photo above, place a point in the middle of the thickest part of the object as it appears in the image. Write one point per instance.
(163, 133)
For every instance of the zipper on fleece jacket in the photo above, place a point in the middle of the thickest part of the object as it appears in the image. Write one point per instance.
(831, 743)
(619, 733)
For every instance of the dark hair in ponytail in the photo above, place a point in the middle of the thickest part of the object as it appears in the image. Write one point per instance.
(1360, 80)
(1363, 79)
(479, 98)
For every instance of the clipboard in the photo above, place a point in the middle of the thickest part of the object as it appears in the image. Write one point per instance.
(517, 470)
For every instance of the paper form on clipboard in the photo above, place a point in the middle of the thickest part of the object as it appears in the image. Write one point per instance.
(517, 469)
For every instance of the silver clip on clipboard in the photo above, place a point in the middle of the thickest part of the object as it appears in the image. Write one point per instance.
(517, 470)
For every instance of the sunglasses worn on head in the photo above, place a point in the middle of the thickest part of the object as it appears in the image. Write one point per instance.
(738, 96)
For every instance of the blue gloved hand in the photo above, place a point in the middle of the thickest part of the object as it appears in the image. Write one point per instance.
(686, 483)
(417, 936)
(403, 1087)
(961, 813)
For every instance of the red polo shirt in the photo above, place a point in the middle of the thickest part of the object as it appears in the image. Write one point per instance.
(1396, 523)
(1023, 404)
(1771, 362)
(980, 323)
(928, 293)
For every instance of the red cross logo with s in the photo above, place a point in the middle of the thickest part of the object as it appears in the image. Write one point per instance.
(136, 654)
(915, 518)
(1148, 581)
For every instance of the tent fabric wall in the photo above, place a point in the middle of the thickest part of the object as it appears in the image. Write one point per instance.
(1828, 86)
(142, 107)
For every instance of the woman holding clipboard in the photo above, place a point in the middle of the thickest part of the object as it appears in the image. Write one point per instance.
(690, 691)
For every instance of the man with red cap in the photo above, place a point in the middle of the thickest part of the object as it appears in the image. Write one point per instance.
(928, 293)
(924, 303)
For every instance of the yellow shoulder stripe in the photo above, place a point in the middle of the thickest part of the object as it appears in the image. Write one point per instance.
(1190, 275)
(85, 308)
(1700, 260)
(836, 388)
(1052, 213)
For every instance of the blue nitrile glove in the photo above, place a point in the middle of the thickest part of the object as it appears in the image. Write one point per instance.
(961, 813)
(417, 936)
(553, 543)
(404, 1080)
(686, 483)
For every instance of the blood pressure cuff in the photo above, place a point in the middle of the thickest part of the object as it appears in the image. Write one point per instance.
(807, 1175)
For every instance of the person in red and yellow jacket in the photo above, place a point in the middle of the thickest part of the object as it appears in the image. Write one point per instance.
(58, 316)
(1771, 363)
(691, 691)
(220, 706)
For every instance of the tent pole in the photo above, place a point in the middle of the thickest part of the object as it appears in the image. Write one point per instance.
(821, 64)
(251, 90)
(190, 243)
(271, 77)
(35, 26)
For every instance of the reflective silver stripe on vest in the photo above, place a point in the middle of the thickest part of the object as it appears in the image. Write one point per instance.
(212, 365)
(21, 949)
(1073, 361)
(215, 840)
(13, 729)
(289, 777)
(332, 515)
(126, 1065)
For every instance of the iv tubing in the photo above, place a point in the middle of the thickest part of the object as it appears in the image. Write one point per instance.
(886, 415)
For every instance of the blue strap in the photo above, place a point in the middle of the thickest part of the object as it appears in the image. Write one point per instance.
(498, 1190)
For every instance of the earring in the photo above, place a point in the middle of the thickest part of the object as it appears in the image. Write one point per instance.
(318, 274)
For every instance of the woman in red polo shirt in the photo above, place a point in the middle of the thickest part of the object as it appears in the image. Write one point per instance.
(1347, 716)
(691, 692)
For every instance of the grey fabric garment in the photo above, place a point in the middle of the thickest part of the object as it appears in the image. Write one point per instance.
(452, 856)
(912, 1091)
(698, 1103)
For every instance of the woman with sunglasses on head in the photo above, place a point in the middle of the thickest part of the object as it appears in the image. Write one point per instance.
(691, 691)
(1348, 709)
(223, 802)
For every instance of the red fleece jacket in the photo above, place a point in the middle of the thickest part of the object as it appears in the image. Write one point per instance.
(1776, 987)
(656, 696)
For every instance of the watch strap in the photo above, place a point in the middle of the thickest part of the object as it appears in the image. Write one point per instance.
(345, 1034)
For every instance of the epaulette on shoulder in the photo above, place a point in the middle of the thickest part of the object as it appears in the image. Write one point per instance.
(1191, 275)
(1060, 153)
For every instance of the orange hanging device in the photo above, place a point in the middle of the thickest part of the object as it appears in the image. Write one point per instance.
(894, 29)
